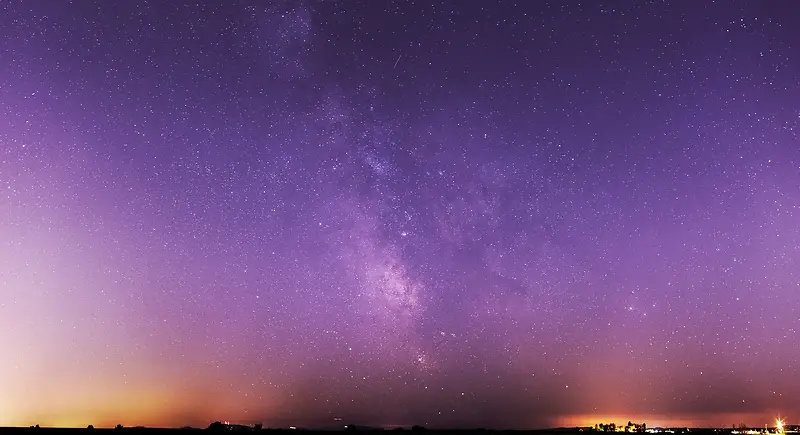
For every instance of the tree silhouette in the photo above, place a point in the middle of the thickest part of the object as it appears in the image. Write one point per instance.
(90, 427)
(258, 426)
(118, 427)
(217, 425)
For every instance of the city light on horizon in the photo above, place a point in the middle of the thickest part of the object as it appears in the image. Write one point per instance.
(722, 421)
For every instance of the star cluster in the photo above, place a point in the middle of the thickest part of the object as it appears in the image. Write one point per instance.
(447, 213)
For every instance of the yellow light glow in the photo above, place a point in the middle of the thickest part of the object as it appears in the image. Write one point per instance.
(779, 425)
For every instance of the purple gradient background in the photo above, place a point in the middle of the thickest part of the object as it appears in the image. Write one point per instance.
(450, 213)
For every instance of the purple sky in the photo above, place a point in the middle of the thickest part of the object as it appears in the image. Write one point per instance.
(449, 213)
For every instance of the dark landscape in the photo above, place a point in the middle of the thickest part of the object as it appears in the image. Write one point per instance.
(560, 431)
(217, 428)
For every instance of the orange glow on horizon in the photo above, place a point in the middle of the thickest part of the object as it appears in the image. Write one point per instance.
(130, 406)
(656, 420)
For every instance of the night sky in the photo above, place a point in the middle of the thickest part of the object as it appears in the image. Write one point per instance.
(463, 213)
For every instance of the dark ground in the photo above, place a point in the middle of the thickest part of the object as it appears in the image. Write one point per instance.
(158, 431)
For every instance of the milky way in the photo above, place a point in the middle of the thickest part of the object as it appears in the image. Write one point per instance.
(448, 213)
